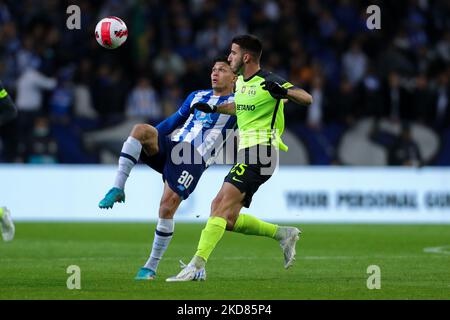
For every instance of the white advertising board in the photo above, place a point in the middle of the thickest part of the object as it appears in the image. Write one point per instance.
(297, 194)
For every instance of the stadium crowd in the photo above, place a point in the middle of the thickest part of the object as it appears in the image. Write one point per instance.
(65, 85)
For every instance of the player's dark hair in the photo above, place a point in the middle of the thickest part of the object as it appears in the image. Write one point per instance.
(221, 58)
(249, 43)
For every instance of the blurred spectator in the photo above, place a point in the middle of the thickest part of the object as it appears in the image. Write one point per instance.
(228, 30)
(396, 97)
(62, 98)
(84, 113)
(114, 8)
(441, 111)
(26, 56)
(394, 60)
(41, 148)
(423, 101)
(345, 103)
(272, 10)
(194, 77)
(30, 87)
(143, 102)
(443, 47)
(315, 110)
(184, 35)
(5, 15)
(29, 101)
(354, 63)
(371, 94)
(425, 59)
(168, 62)
(9, 46)
(327, 24)
(109, 93)
(275, 64)
(171, 100)
(404, 151)
(208, 41)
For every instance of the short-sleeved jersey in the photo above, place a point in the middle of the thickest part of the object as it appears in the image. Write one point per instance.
(260, 117)
(205, 131)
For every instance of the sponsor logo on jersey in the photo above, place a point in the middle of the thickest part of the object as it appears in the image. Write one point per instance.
(205, 118)
(245, 107)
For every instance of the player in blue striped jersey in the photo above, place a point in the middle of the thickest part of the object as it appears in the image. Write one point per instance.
(181, 156)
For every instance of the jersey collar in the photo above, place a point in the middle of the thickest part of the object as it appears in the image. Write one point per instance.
(252, 76)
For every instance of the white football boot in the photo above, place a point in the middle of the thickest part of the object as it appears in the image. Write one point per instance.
(288, 245)
(189, 273)
(7, 225)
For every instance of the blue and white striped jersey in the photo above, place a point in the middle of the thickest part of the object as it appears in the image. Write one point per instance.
(205, 131)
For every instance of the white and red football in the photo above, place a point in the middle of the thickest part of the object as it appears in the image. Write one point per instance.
(111, 32)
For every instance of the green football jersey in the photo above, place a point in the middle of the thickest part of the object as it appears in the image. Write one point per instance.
(260, 117)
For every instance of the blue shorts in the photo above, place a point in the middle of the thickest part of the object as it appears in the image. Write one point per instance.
(182, 178)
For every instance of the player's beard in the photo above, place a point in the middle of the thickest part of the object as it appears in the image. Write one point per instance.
(239, 68)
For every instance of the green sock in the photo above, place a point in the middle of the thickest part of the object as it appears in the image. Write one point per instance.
(211, 235)
(251, 225)
(1, 213)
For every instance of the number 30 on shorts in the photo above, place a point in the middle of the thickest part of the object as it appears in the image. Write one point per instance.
(185, 179)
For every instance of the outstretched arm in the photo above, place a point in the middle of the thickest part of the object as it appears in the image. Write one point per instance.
(225, 108)
(171, 123)
(299, 96)
(294, 94)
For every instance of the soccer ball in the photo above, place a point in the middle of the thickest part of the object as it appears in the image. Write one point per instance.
(111, 32)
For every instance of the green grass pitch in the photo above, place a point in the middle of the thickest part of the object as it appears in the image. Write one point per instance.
(332, 262)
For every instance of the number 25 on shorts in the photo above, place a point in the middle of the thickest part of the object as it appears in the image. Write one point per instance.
(239, 168)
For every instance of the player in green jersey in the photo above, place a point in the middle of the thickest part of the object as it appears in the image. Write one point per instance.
(259, 104)
(8, 111)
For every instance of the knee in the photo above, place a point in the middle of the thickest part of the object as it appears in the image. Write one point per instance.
(143, 132)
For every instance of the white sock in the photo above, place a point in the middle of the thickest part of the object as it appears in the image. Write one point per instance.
(129, 156)
(163, 235)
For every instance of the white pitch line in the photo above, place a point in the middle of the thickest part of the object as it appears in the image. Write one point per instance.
(439, 250)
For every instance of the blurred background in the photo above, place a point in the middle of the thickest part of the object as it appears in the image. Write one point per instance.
(381, 97)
